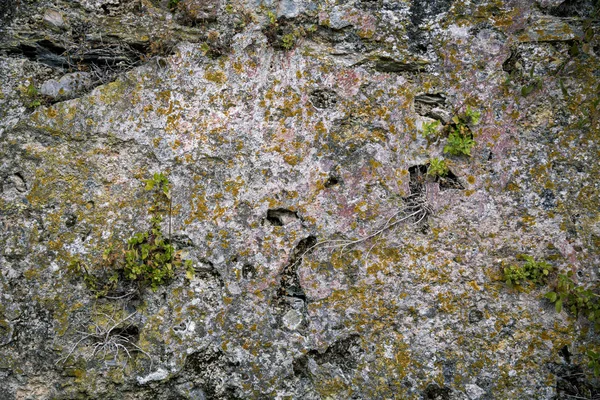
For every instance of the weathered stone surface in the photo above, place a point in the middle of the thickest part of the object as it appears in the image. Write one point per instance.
(67, 86)
(327, 263)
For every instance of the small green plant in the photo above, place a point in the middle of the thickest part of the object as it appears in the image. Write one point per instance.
(272, 18)
(460, 139)
(531, 271)
(437, 167)
(460, 142)
(430, 128)
(31, 96)
(578, 299)
(173, 4)
(471, 116)
(150, 258)
(594, 362)
(281, 34)
(288, 41)
(534, 83)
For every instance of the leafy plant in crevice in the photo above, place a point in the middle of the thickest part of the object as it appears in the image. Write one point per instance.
(430, 128)
(437, 168)
(582, 301)
(532, 271)
(578, 299)
(533, 83)
(282, 34)
(594, 362)
(150, 258)
(147, 259)
(31, 96)
(459, 136)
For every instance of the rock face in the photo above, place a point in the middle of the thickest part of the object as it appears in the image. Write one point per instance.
(327, 262)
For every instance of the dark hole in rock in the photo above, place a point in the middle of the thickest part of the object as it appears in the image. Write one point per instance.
(565, 354)
(323, 98)
(70, 220)
(343, 353)
(19, 182)
(421, 10)
(290, 286)
(450, 181)
(182, 241)
(332, 181)
(435, 392)
(131, 332)
(571, 380)
(281, 216)
(475, 316)
(418, 174)
(510, 64)
(300, 367)
(387, 64)
(205, 269)
(416, 201)
(573, 8)
(248, 271)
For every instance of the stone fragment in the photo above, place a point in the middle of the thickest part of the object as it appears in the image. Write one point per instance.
(337, 18)
(474, 392)
(67, 86)
(292, 319)
(54, 19)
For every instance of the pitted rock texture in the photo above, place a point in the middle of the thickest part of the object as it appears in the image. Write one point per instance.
(327, 263)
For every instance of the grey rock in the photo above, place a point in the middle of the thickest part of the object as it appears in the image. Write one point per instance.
(325, 261)
(54, 19)
(474, 392)
(67, 86)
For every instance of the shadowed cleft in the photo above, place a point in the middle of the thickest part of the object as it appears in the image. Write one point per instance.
(281, 216)
(332, 181)
(449, 181)
(290, 289)
(510, 64)
(432, 106)
(574, 8)
(388, 64)
(208, 369)
(416, 201)
(571, 381)
(435, 392)
(421, 10)
(344, 353)
(248, 271)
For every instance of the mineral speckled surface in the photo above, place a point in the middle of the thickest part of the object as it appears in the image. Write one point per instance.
(326, 261)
